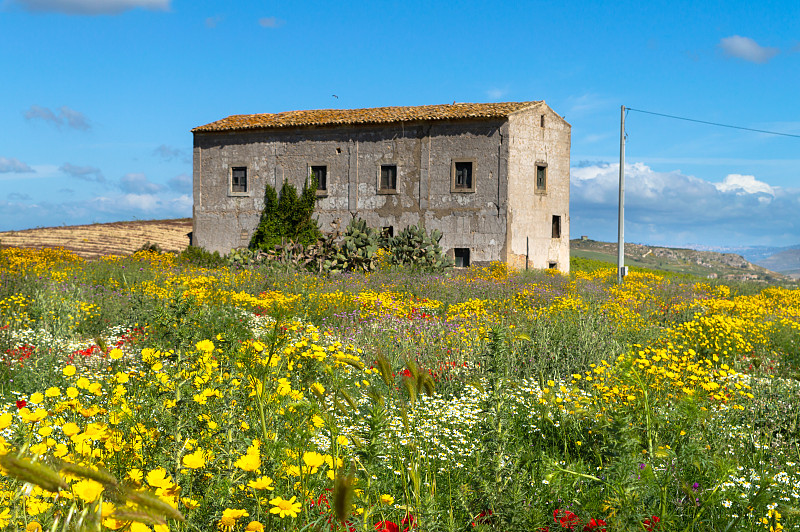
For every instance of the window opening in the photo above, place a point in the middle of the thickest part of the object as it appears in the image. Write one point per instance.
(239, 179)
(556, 226)
(461, 257)
(388, 177)
(552, 265)
(541, 177)
(463, 175)
(320, 175)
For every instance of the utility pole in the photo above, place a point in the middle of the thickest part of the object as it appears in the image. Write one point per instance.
(621, 271)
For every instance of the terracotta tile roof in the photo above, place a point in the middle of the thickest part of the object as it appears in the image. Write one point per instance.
(376, 115)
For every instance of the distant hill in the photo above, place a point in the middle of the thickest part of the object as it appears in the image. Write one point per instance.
(708, 264)
(118, 238)
(786, 262)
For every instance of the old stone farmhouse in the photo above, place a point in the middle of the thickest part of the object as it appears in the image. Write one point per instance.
(493, 178)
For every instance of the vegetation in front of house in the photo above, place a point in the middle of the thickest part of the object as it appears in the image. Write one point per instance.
(163, 392)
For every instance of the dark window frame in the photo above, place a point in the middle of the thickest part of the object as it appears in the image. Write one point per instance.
(556, 232)
(463, 175)
(540, 178)
(462, 257)
(238, 184)
(388, 187)
(321, 186)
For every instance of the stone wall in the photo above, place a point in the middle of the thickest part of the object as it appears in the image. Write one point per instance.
(531, 210)
(501, 152)
(423, 153)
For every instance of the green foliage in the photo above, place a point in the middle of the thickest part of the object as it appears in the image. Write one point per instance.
(200, 257)
(287, 217)
(421, 251)
(357, 250)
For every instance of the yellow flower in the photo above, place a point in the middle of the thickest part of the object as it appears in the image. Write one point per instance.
(33, 527)
(254, 526)
(190, 503)
(262, 483)
(115, 354)
(313, 460)
(87, 489)
(5, 420)
(52, 391)
(69, 371)
(283, 507)
(37, 398)
(249, 462)
(70, 429)
(205, 346)
(196, 460)
(387, 499)
(158, 478)
(72, 392)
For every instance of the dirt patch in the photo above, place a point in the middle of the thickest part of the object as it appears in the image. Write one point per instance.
(117, 238)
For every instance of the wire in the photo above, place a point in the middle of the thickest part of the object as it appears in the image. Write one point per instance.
(714, 123)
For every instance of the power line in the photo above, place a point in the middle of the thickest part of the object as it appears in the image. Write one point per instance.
(714, 123)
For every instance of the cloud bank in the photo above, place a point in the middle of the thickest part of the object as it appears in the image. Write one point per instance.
(674, 209)
(747, 49)
(91, 7)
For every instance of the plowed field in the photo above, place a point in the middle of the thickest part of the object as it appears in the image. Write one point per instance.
(118, 238)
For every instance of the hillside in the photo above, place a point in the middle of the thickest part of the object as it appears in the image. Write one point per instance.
(118, 238)
(709, 264)
(787, 262)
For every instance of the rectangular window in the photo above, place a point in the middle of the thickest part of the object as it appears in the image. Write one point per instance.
(461, 256)
(542, 121)
(541, 177)
(388, 177)
(239, 179)
(556, 226)
(320, 176)
(463, 175)
(552, 265)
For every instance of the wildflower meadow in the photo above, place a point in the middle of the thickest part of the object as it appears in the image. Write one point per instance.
(160, 392)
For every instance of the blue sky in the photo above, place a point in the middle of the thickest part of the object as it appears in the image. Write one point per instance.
(99, 96)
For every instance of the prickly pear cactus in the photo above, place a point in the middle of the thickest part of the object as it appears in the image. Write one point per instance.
(413, 247)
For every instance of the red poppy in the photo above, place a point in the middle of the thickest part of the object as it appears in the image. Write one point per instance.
(566, 519)
(386, 526)
(409, 521)
(651, 523)
(483, 518)
(21, 403)
(595, 524)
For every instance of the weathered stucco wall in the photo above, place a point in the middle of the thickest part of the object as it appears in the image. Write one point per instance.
(422, 152)
(531, 210)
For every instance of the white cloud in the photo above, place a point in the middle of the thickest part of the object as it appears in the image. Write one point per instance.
(672, 208)
(271, 22)
(14, 165)
(747, 49)
(91, 7)
(138, 184)
(86, 173)
(70, 117)
(744, 184)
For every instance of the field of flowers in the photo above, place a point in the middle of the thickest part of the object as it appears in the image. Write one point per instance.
(149, 393)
